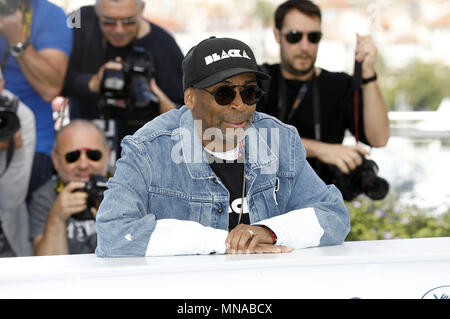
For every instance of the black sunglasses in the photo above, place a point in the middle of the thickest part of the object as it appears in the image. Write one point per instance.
(73, 156)
(109, 22)
(225, 94)
(294, 36)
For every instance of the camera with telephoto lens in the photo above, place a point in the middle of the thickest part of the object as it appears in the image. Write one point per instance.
(9, 121)
(95, 189)
(363, 179)
(126, 93)
(8, 7)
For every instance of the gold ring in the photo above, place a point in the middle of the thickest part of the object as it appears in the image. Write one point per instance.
(251, 233)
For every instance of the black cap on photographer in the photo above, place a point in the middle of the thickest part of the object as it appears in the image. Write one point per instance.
(216, 59)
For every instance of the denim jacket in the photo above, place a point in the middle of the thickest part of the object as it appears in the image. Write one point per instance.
(163, 175)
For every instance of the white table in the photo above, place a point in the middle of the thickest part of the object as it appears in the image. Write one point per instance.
(403, 268)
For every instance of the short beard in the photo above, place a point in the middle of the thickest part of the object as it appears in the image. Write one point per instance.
(290, 69)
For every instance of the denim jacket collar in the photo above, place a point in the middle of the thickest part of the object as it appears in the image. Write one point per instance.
(195, 157)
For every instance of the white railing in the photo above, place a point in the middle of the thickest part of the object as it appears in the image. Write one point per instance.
(401, 268)
(417, 124)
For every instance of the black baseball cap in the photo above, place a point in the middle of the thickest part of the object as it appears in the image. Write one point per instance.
(216, 59)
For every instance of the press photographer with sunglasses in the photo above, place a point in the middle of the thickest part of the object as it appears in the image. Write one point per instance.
(108, 34)
(210, 178)
(56, 227)
(320, 103)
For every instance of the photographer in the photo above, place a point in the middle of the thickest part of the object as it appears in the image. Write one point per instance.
(62, 219)
(300, 93)
(35, 45)
(17, 143)
(110, 31)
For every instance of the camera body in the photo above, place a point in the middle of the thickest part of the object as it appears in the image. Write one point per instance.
(363, 179)
(9, 121)
(95, 188)
(8, 7)
(126, 93)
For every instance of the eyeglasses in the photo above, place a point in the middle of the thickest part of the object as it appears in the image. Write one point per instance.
(73, 156)
(110, 22)
(225, 94)
(295, 36)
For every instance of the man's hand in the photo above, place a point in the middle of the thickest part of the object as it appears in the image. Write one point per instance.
(11, 28)
(246, 239)
(346, 158)
(69, 202)
(366, 52)
(54, 239)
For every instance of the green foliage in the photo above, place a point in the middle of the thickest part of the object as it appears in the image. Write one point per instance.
(386, 219)
(422, 84)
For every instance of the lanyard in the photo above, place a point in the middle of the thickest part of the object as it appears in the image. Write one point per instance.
(241, 152)
(282, 103)
(356, 85)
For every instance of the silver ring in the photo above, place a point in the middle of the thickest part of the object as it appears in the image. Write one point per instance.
(251, 233)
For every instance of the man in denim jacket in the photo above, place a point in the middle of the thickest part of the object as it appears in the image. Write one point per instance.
(177, 187)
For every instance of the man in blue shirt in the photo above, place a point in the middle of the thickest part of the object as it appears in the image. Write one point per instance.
(35, 46)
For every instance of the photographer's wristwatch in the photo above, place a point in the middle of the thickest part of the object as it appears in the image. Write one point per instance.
(17, 49)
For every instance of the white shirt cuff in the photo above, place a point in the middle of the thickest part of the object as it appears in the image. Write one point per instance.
(183, 237)
(297, 229)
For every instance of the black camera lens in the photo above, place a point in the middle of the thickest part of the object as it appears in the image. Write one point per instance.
(9, 121)
(94, 188)
(363, 179)
(126, 94)
(376, 187)
(369, 182)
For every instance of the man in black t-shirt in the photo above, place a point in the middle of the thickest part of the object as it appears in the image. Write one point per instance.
(290, 95)
(107, 34)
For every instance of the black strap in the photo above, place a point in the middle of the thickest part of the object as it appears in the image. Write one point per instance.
(356, 86)
(9, 154)
(282, 102)
(316, 108)
(298, 100)
(282, 99)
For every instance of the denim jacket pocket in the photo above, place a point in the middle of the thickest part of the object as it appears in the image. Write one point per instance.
(168, 203)
(200, 212)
